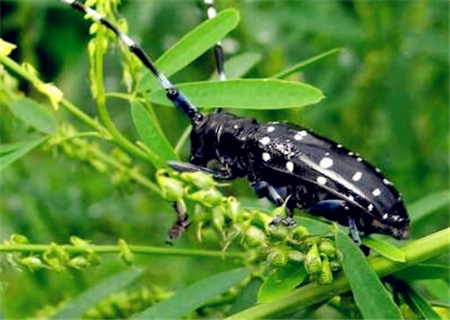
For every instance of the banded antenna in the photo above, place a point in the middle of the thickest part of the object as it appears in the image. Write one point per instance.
(178, 99)
(218, 49)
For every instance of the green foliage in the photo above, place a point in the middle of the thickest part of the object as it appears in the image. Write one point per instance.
(79, 160)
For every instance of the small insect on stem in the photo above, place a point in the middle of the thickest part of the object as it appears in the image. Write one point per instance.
(285, 163)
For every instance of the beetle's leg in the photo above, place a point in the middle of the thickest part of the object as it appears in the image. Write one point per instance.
(181, 224)
(225, 174)
(354, 232)
(277, 196)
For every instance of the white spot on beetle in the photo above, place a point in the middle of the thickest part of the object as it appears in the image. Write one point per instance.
(236, 126)
(339, 146)
(350, 153)
(266, 156)
(376, 192)
(265, 140)
(377, 170)
(359, 159)
(351, 198)
(387, 182)
(299, 135)
(270, 129)
(370, 207)
(327, 154)
(385, 216)
(290, 166)
(357, 176)
(326, 162)
(321, 180)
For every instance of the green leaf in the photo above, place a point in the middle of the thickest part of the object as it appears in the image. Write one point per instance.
(427, 205)
(194, 296)
(315, 227)
(247, 298)
(417, 302)
(424, 271)
(34, 114)
(306, 63)
(281, 281)
(79, 305)
(245, 94)
(239, 65)
(371, 297)
(151, 134)
(385, 249)
(10, 153)
(192, 45)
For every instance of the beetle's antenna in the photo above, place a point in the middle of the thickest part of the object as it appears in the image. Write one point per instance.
(218, 49)
(176, 96)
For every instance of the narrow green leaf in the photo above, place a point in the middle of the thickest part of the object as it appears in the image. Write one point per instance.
(247, 298)
(417, 302)
(194, 296)
(11, 153)
(371, 297)
(89, 298)
(427, 205)
(281, 281)
(152, 135)
(246, 94)
(34, 114)
(315, 227)
(192, 45)
(424, 271)
(306, 63)
(385, 249)
(238, 66)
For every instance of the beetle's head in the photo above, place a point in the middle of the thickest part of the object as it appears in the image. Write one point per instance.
(217, 135)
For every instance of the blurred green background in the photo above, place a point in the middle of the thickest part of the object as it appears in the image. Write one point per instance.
(387, 97)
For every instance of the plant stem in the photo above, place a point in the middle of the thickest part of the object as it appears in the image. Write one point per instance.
(105, 249)
(100, 100)
(313, 293)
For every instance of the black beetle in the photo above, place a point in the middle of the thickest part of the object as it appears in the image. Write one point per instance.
(282, 162)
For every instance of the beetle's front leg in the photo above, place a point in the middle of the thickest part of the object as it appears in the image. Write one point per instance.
(278, 196)
(224, 174)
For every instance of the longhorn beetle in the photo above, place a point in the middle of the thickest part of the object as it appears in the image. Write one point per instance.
(285, 163)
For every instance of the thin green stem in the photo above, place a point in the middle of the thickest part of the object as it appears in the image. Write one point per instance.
(182, 139)
(102, 249)
(313, 293)
(100, 100)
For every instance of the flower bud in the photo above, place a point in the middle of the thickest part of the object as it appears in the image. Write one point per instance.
(125, 252)
(79, 263)
(32, 263)
(233, 209)
(299, 233)
(277, 258)
(172, 189)
(325, 276)
(313, 263)
(209, 197)
(278, 232)
(327, 247)
(199, 179)
(254, 237)
(296, 256)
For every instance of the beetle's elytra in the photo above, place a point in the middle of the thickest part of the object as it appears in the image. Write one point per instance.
(282, 162)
